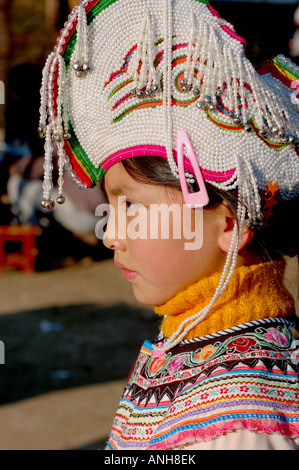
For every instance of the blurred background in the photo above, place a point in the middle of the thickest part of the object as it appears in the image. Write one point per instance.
(69, 323)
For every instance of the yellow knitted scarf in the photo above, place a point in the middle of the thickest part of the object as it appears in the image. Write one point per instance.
(254, 292)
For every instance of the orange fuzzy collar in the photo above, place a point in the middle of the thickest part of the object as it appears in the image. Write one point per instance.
(254, 292)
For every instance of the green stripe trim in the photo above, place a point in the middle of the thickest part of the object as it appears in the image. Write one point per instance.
(231, 128)
(95, 174)
(121, 85)
(287, 69)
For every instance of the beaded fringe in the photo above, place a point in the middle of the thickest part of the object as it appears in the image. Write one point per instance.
(53, 125)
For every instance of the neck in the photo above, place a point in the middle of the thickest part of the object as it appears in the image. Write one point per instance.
(254, 292)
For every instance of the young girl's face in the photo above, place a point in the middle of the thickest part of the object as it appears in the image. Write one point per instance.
(155, 253)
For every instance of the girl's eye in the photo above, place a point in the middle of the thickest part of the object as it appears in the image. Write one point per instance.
(130, 205)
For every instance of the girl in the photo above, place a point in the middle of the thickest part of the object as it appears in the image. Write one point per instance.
(158, 101)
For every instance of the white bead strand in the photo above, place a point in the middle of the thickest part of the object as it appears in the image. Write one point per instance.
(152, 85)
(44, 95)
(81, 64)
(189, 70)
(138, 57)
(47, 184)
(167, 85)
(61, 162)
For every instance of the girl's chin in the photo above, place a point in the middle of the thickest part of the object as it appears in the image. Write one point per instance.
(146, 296)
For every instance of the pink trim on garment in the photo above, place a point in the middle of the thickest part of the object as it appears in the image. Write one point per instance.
(159, 151)
(254, 425)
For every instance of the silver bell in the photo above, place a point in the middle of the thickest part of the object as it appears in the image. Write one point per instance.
(281, 134)
(237, 120)
(42, 131)
(77, 66)
(48, 204)
(200, 104)
(185, 88)
(196, 91)
(263, 132)
(60, 199)
(85, 67)
(58, 137)
(208, 99)
(155, 87)
(248, 128)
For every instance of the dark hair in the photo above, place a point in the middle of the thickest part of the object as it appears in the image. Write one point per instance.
(278, 237)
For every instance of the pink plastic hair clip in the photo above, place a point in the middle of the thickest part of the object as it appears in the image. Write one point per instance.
(201, 197)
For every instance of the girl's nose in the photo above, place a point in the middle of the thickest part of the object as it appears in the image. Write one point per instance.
(112, 239)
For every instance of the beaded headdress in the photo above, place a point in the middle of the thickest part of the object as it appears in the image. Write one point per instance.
(126, 77)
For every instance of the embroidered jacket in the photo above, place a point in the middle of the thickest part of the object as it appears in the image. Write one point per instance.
(243, 378)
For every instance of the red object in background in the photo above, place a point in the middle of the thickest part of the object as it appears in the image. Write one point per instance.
(23, 258)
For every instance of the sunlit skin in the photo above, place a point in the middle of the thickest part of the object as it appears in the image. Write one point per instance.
(160, 268)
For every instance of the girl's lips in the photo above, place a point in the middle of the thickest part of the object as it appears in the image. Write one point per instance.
(127, 273)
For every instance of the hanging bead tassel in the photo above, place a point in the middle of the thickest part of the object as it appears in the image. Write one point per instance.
(221, 67)
(54, 124)
(81, 64)
(167, 89)
(46, 127)
(47, 202)
(152, 83)
(145, 80)
(46, 94)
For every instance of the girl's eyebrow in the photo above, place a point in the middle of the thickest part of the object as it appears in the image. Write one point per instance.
(119, 190)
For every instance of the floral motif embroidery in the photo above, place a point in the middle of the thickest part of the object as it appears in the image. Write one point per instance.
(205, 353)
(241, 344)
(174, 365)
(157, 364)
(276, 336)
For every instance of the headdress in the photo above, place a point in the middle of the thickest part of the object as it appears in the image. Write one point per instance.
(151, 77)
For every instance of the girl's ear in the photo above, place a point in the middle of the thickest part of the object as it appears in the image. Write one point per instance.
(226, 233)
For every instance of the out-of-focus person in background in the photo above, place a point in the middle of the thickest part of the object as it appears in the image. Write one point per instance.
(294, 43)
